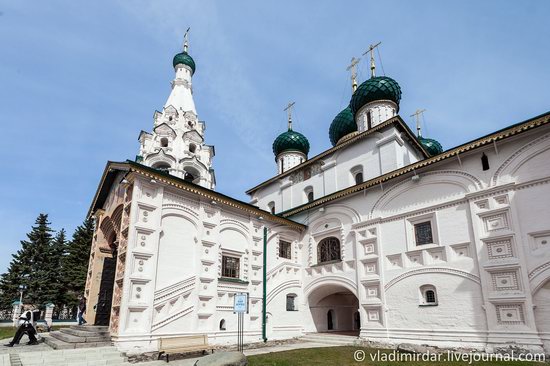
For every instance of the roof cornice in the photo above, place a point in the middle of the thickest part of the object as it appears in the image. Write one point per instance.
(165, 178)
(397, 120)
(518, 128)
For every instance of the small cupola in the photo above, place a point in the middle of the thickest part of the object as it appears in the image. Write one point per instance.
(290, 147)
(183, 58)
(376, 100)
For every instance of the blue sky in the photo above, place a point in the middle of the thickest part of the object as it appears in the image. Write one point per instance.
(79, 80)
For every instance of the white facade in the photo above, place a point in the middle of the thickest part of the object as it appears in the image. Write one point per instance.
(444, 251)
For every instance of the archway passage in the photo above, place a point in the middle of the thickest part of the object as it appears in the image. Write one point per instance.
(541, 300)
(334, 309)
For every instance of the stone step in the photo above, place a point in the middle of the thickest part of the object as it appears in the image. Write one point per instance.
(61, 345)
(327, 338)
(66, 337)
(84, 333)
(90, 328)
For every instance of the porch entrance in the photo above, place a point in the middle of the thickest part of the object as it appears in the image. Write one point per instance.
(335, 309)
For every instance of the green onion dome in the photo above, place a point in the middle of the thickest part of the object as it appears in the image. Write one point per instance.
(375, 88)
(432, 146)
(290, 141)
(184, 58)
(343, 124)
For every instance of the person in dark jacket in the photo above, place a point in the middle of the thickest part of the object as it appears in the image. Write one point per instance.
(25, 321)
(81, 311)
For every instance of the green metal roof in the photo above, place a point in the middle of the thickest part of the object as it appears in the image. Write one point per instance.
(375, 88)
(342, 125)
(432, 146)
(184, 58)
(290, 141)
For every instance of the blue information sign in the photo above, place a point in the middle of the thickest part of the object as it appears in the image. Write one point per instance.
(240, 304)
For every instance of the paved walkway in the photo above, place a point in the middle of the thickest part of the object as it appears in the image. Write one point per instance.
(190, 361)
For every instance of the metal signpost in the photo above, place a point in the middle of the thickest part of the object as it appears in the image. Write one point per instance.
(240, 306)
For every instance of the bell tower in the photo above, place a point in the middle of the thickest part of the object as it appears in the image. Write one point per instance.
(176, 143)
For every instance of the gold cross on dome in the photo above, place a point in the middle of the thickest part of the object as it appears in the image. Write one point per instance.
(353, 68)
(417, 115)
(372, 64)
(288, 109)
(186, 40)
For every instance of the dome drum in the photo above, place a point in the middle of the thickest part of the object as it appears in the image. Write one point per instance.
(374, 113)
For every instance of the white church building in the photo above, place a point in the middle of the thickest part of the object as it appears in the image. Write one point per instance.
(385, 235)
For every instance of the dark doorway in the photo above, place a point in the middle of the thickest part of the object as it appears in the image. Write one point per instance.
(330, 324)
(105, 298)
(357, 320)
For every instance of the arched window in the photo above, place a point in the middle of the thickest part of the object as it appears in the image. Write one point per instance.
(192, 148)
(359, 178)
(164, 142)
(188, 177)
(484, 162)
(428, 295)
(191, 175)
(222, 324)
(165, 167)
(170, 118)
(291, 302)
(271, 207)
(328, 250)
(309, 194)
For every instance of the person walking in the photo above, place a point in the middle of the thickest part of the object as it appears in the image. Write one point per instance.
(81, 310)
(25, 326)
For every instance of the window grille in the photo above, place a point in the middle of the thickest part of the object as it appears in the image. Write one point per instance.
(230, 267)
(328, 250)
(285, 249)
(423, 233)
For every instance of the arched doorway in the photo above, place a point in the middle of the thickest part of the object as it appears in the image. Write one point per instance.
(334, 308)
(330, 320)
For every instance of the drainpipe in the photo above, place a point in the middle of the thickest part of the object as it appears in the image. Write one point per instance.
(264, 335)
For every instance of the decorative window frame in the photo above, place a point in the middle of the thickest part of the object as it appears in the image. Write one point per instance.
(232, 254)
(294, 302)
(317, 237)
(423, 298)
(307, 191)
(271, 207)
(354, 171)
(411, 237)
(283, 239)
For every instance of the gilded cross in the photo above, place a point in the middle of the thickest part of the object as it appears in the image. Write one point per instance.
(186, 40)
(417, 115)
(288, 109)
(353, 68)
(372, 64)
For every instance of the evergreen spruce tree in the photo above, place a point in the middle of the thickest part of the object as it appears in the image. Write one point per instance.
(75, 262)
(55, 291)
(10, 281)
(29, 266)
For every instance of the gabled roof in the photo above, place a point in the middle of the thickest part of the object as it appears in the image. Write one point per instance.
(396, 121)
(113, 168)
(164, 127)
(515, 129)
(143, 133)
